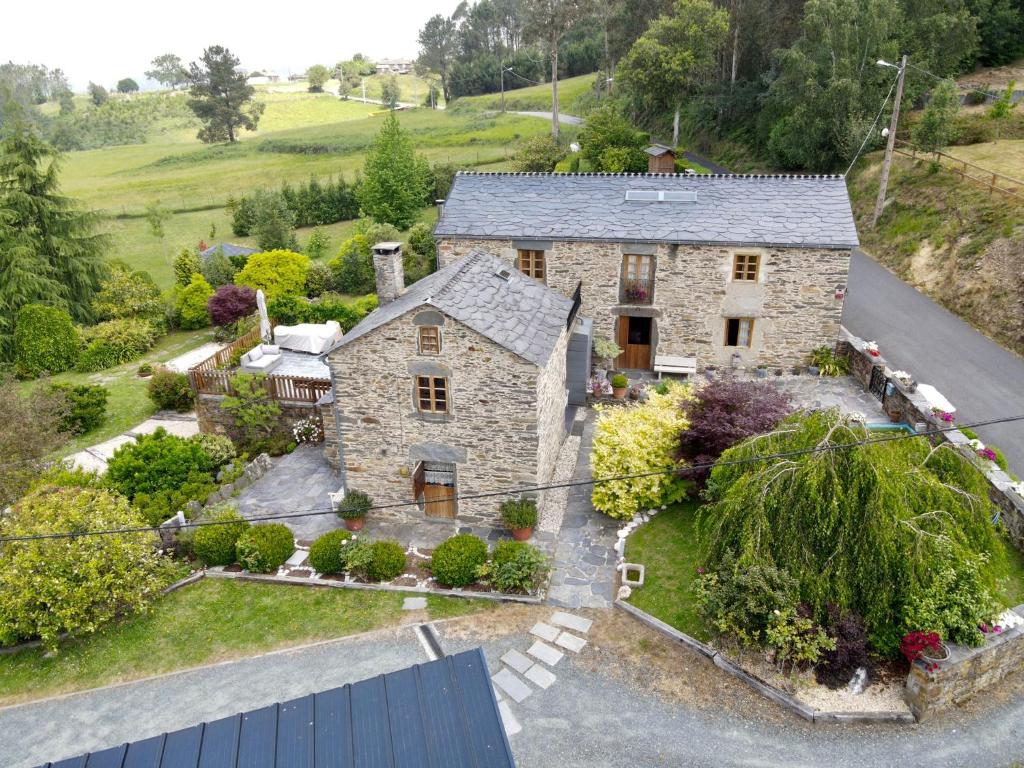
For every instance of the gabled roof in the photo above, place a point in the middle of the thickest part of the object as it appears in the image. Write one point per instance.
(229, 250)
(656, 150)
(515, 311)
(442, 713)
(797, 211)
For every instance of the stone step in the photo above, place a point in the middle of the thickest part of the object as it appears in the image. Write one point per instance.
(571, 621)
(510, 683)
(570, 642)
(540, 676)
(544, 652)
(517, 661)
(544, 631)
(512, 726)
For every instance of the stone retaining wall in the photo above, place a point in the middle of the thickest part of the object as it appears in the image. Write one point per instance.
(213, 419)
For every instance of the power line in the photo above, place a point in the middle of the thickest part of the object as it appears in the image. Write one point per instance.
(871, 130)
(516, 492)
(986, 94)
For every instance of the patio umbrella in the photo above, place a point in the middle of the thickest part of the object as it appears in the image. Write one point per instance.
(261, 304)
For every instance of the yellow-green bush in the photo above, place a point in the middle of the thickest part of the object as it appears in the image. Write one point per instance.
(277, 273)
(635, 440)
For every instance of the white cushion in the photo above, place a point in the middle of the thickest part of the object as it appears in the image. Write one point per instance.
(270, 349)
(255, 354)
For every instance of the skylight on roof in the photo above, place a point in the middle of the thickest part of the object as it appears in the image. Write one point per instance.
(504, 274)
(659, 196)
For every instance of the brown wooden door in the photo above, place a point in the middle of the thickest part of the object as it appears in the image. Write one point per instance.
(434, 487)
(438, 500)
(635, 339)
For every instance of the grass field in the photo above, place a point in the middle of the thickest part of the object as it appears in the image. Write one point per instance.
(207, 622)
(535, 98)
(1005, 157)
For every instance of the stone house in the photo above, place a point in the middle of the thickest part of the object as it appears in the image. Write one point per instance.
(454, 385)
(730, 270)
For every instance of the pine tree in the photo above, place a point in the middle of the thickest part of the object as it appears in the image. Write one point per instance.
(50, 250)
(395, 179)
(221, 97)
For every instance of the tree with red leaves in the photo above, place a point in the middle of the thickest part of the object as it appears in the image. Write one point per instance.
(231, 303)
(723, 413)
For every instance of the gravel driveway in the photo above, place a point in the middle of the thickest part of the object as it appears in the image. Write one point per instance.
(630, 698)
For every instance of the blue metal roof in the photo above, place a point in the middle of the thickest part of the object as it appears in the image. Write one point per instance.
(441, 714)
(229, 250)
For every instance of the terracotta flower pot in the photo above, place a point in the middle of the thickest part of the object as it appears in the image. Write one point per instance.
(355, 523)
(619, 392)
(522, 534)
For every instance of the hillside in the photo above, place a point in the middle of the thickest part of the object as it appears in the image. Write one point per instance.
(575, 97)
(950, 239)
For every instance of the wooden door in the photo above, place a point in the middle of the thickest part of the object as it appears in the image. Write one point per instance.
(434, 488)
(438, 500)
(635, 339)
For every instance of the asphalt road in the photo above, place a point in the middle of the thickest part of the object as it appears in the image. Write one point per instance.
(563, 119)
(982, 379)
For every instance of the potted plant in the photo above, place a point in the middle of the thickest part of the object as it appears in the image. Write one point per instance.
(619, 385)
(145, 371)
(871, 347)
(606, 350)
(353, 508)
(520, 517)
(761, 371)
(636, 391)
(926, 647)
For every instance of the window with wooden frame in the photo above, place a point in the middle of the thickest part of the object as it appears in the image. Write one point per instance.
(739, 331)
(745, 266)
(432, 394)
(531, 263)
(430, 340)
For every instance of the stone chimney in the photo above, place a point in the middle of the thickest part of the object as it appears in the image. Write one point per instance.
(387, 266)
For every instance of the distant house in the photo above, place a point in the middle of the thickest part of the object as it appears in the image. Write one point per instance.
(394, 66)
(660, 159)
(228, 249)
(729, 270)
(454, 385)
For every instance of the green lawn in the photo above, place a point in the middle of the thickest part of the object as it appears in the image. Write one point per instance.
(207, 622)
(535, 98)
(127, 402)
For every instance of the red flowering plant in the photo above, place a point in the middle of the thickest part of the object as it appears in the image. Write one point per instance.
(915, 644)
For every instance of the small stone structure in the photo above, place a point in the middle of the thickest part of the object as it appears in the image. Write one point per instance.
(215, 420)
(967, 672)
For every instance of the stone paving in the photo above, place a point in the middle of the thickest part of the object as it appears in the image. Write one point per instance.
(821, 392)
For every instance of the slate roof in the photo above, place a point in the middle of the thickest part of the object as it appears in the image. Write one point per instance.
(656, 150)
(229, 249)
(521, 314)
(798, 211)
(432, 715)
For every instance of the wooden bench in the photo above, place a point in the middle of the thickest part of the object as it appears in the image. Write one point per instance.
(687, 366)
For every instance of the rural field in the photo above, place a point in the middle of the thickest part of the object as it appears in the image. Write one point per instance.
(575, 97)
(301, 135)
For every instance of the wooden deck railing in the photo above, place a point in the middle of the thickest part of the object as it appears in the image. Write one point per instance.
(996, 182)
(222, 359)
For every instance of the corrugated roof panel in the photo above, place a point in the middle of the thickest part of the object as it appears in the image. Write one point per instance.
(295, 734)
(486, 733)
(71, 762)
(181, 748)
(257, 742)
(145, 753)
(108, 758)
(333, 723)
(220, 743)
(408, 735)
(447, 740)
(371, 732)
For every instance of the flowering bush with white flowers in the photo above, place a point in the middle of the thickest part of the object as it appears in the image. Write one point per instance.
(308, 431)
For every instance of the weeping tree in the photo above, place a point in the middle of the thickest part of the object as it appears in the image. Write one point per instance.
(898, 532)
(50, 249)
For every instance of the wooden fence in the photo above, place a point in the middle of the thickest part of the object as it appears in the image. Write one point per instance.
(995, 182)
(222, 359)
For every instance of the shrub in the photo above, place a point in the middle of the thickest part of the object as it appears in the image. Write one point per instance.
(838, 664)
(44, 341)
(455, 561)
(725, 411)
(146, 369)
(619, 381)
(358, 557)
(255, 412)
(277, 273)
(326, 554)
(128, 294)
(796, 639)
(115, 342)
(190, 304)
(156, 462)
(186, 264)
(518, 513)
(356, 504)
(317, 245)
(214, 544)
(162, 505)
(539, 154)
(828, 364)
(639, 440)
(170, 391)
(516, 567)
(78, 584)
(87, 407)
(319, 279)
(218, 269)
(352, 268)
(605, 349)
(388, 561)
(230, 303)
(264, 548)
(220, 449)
(955, 603)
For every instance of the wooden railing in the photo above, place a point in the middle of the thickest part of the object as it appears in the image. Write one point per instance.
(223, 358)
(995, 182)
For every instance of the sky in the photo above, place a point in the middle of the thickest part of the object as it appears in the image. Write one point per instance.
(105, 40)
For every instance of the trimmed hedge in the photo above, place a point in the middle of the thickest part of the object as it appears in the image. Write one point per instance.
(115, 342)
(455, 561)
(264, 548)
(87, 407)
(388, 561)
(326, 553)
(215, 544)
(45, 341)
(170, 391)
(157, 462)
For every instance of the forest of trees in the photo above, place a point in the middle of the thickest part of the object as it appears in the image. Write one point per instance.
(795, 81)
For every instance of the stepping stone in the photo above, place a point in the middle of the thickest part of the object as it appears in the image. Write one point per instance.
(497, 693)
(573, 643)
(569, 621)
(512, 726)
(517, 661)
(297, 558)
(510, 683)
(414, 603)
(544, 631)
(545, 653)
(540, 676)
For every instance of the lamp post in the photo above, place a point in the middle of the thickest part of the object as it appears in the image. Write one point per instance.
(883, 181)
(504, 69)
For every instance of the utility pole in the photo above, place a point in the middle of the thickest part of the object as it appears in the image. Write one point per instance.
(883, 181)
(363, 81)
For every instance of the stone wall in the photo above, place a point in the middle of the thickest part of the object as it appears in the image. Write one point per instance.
(793, 301)
(213, 419)
(552, 400)
(491, 433)
(967, 672)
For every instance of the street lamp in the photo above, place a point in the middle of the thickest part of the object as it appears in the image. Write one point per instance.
(890, 144)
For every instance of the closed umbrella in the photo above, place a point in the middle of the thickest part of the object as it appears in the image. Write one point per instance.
(261, 304)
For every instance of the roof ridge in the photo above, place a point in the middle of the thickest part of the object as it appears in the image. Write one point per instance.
(603, 174)
(463, 265)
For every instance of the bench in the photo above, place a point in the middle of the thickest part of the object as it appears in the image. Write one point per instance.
(687, 366)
